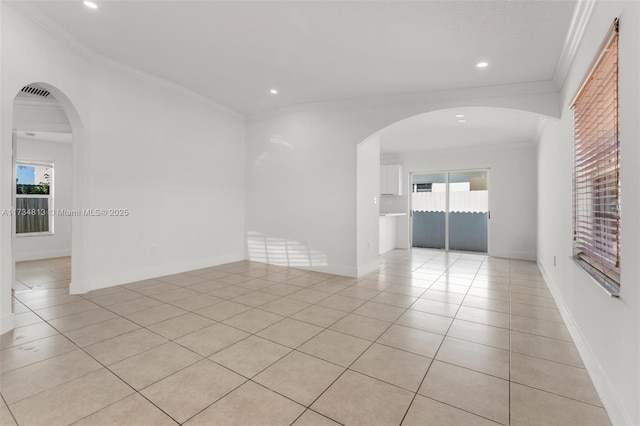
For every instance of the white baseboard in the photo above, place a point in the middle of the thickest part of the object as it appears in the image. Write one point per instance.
(8, 323)
(513, 254)
(368, 268)
(95, 283)
(605, 389)
(346, 271)
(21, 257)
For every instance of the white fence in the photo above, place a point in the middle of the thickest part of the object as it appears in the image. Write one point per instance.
(459, 201)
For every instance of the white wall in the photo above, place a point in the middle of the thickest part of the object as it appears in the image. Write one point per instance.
(512, 193)
(49, 60)
(301, 192)
(177, 166)
(174, 160)
(39, 115)
(606, 330)
(59, 243)
(301, 169)
(368, 209)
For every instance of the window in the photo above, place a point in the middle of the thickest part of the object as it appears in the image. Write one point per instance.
(597, 169)
(34, 190)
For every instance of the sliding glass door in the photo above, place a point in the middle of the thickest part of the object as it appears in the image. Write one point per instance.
(429, 210)
(468, 211)
(450, 210)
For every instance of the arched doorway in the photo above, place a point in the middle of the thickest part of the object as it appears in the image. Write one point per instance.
(456, 141)
(41, 112)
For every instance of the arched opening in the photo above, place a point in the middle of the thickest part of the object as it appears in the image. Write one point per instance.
(451, 143)
(47, 189)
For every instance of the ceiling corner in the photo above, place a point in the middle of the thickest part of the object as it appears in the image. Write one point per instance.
(581, 15)
(537, 134)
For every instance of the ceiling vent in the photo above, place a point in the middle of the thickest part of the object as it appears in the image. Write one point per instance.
(36, 91)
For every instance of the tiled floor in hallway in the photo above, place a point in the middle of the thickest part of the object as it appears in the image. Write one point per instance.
(431, 339)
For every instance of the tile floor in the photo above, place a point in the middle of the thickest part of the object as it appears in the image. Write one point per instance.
(430, 339)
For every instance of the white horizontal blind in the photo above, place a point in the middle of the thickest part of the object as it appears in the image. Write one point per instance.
(597, 166)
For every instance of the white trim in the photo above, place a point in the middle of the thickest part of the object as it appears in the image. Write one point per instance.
(49, 254)
(368, 268)
(119, 278)
(7, 323)
(132, 72)
(514, 254)
(581, 16)
(605, 389)
(434, 97)
(33, 13)
(342, 270)
(604, 47)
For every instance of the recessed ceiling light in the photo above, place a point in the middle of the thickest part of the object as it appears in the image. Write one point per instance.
(461, 120)
(90, 4)
(459, 115)
(482, 64)
(273, 91)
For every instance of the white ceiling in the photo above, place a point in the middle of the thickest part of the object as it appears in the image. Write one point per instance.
(440, 130)
(234, 52)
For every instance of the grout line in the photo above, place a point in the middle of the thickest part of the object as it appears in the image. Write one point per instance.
(510, 352)
(9, 409)
(433, 359)
(390, 281)
(103, 366)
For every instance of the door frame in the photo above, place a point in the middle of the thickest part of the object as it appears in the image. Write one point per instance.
(446, 221)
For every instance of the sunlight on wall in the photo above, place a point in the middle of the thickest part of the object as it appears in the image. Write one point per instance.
(282, 251)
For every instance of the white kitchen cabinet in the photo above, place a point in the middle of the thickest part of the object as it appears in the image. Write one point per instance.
(388, 230)
(391, 179)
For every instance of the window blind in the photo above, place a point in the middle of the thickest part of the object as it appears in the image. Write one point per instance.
(597, 165)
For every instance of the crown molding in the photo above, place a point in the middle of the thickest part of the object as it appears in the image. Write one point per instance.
(35, 14)
(428, 97)
(115, 66)
(581, 16)
(32, 12)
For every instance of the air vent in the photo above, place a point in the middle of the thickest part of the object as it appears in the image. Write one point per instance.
(35, 91)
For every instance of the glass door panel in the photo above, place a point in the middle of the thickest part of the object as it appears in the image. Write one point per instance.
(468, 211)
(429, 210)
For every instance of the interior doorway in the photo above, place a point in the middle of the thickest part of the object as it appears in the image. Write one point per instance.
(42, 186)
(450, 210)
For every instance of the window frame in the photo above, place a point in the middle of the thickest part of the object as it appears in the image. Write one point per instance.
(50, 197)
(595, 179)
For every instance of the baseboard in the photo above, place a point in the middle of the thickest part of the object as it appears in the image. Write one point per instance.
(517, 255)
(605, 389)
(8, 323)
(21, 257)
(95, 283)
(346, 271)
(368, 268)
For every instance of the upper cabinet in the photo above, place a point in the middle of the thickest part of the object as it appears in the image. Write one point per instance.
(391, 179)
